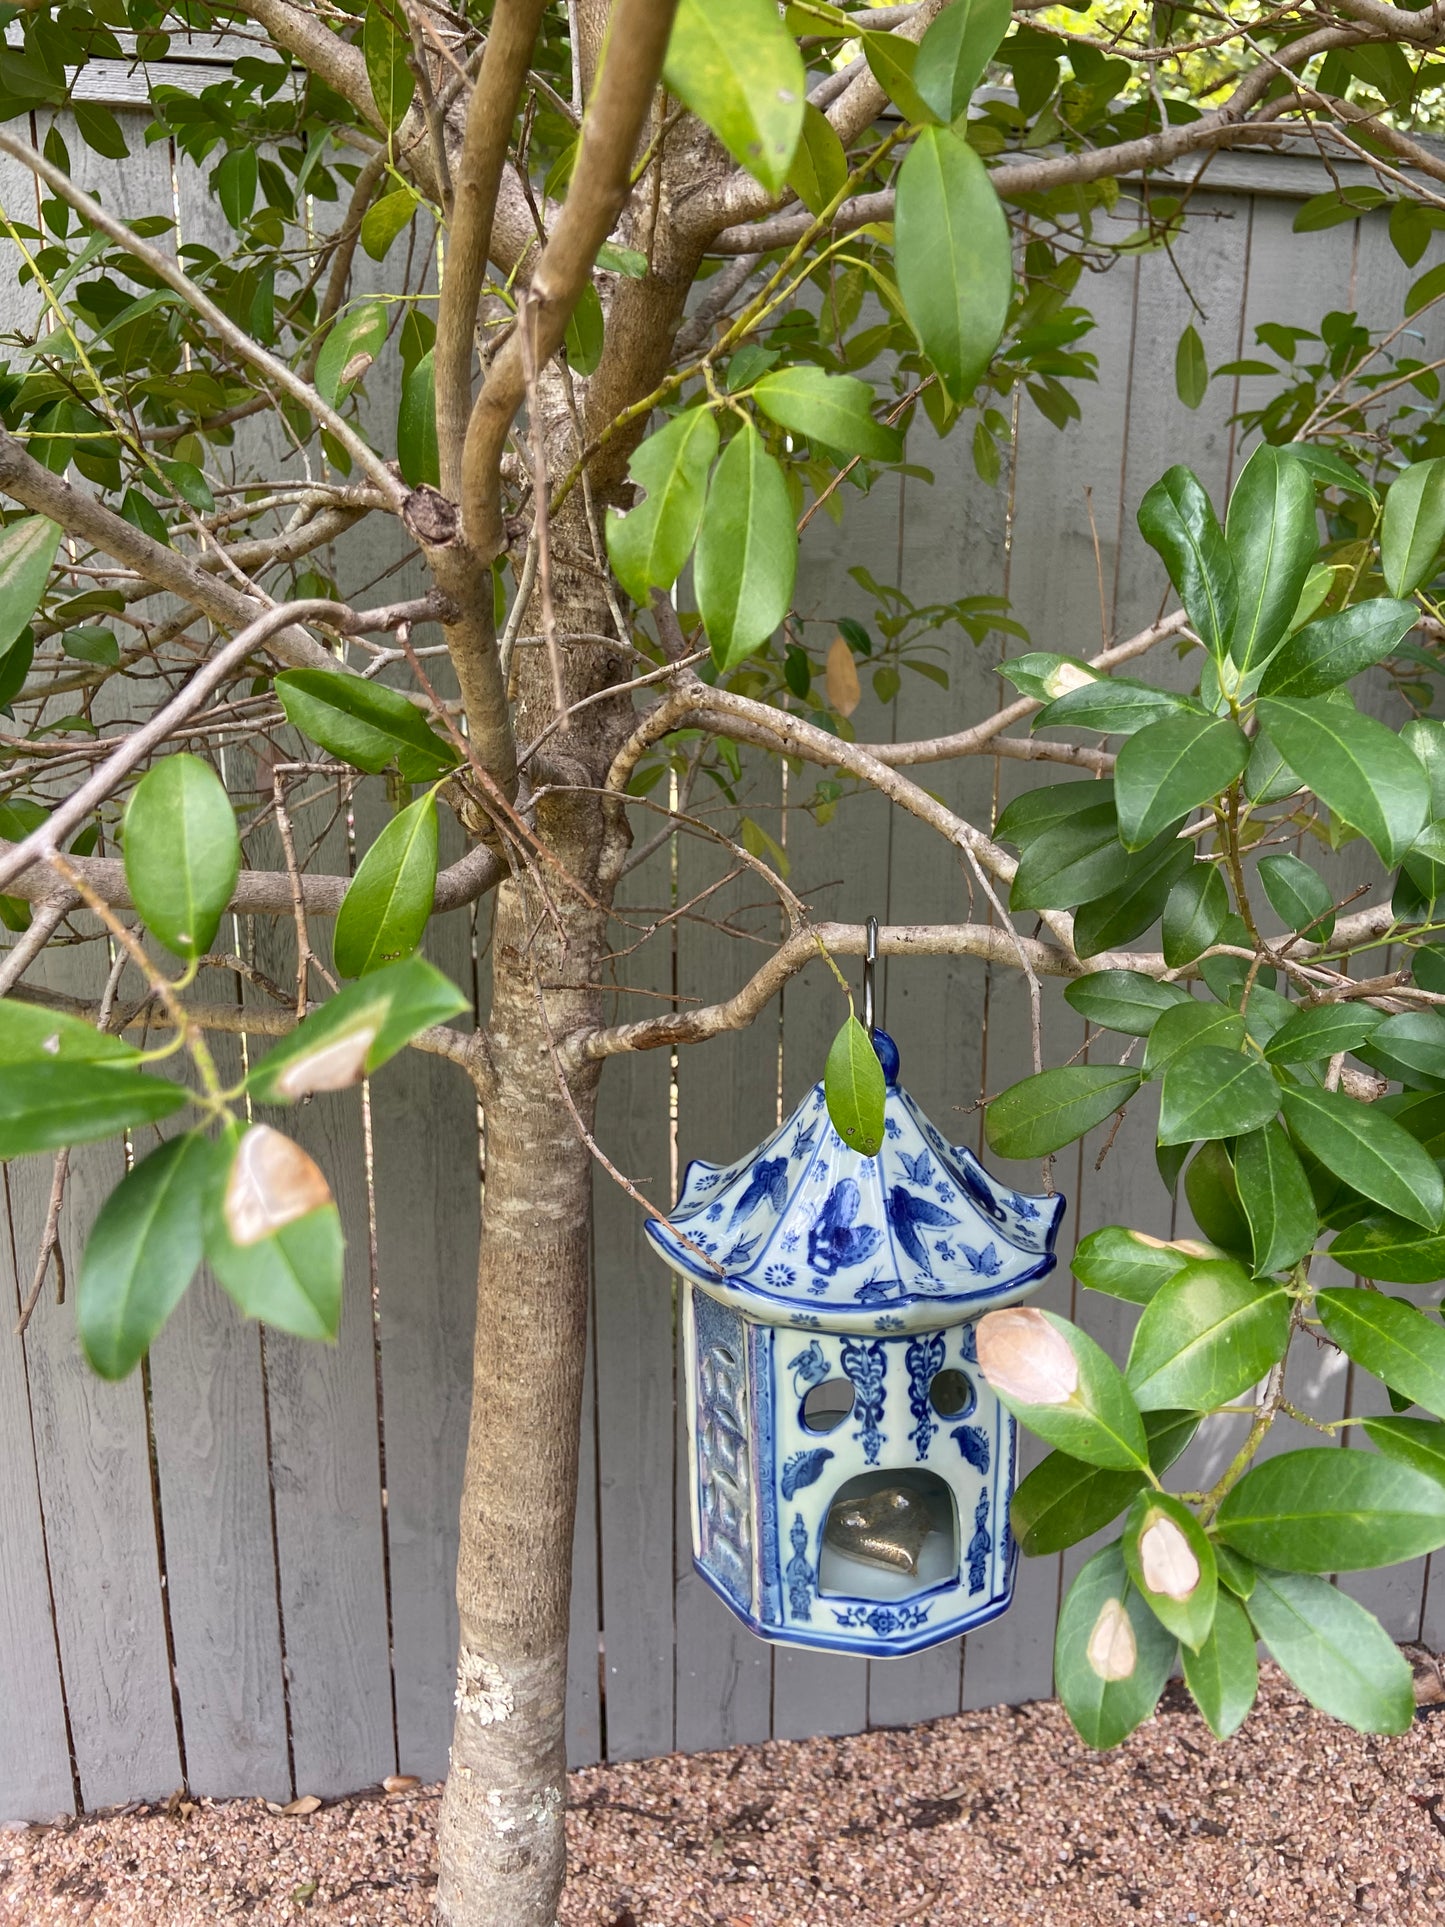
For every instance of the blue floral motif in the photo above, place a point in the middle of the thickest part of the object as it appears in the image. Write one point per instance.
(780, 1276)
(769, 1181)
(891, 1127)
(818, 1286)
(973, 1443)
(808, 1368)
(883, 1620)
(804, 1468)
(709, 1179)
(865, 1363)
(946, 1253)
(789, 1241)
(714, 1212)
(970, 1344)
(924, 1359)
(799, 1572)
(945, 1191)
(979, 1547)
(835, 1243)
(887, 1324)
(807, 1320)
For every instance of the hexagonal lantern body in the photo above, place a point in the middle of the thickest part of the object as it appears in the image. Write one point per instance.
(851, 1471)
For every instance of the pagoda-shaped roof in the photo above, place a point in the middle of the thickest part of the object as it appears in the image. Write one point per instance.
(807, 1231)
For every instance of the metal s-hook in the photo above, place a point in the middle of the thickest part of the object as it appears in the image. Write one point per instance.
(870, 961)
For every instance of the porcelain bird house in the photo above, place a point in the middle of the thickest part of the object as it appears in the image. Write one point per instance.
(850, 1469)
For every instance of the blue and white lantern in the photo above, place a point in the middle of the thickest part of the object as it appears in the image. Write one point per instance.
(851, 1470)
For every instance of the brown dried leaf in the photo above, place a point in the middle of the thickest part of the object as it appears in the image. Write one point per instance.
(272, 1182)
(844, 690)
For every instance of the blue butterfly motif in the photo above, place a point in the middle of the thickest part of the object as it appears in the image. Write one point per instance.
(879, 1291)
(1022, 1207)
(741, 1252)
(834, 1243)
(770, 1181)
(803, 1139)
(986, 1263)
(804, 1468)
(920, 1169)
(973, 1444)
(906, 1213)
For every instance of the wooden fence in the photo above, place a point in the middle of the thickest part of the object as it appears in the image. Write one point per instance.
(236, 1572)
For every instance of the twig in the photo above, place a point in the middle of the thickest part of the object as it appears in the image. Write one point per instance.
(536, 437)
(43, 925)
(49, 1247)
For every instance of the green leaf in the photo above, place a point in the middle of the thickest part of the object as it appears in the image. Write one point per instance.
(365, 724)
(1043, 1113)
(953, 257)
(1424, 736)
(1413, 527)
(100, 130)
(747, 550)
(1034, 812)
(416, 425)
(1273, 537)
(1359, 769)
(585, 331)
(1370, 1152)
(389, 901)
(355, 340)
(1111, 1655)
(1148, 875)
(27, 550)
(1332, 1509)
(1114, 706)
(31, 1034)
(1391, 1250)
(1337, 1654)
(1210, 1092)
(1124, 1000)
(144, 1249)
(734, 64)
(1128, 1264)
(855, 1088)
(1064, 1500)
(1321, 1032)
(354, 1033)
(1213, 1197)
(1276, 1198)
(45, 1106)
(1171, 1565)
(386, 45)
(384, 220)
(649, 544)
(1235, 1571)
(15, 667)
(235, 181)
(182, 853)
(1177, 520)
(1186, 1027)
(955, 51)
(1071, 862)
(891, 61)
(289, 1275)
(91, 643)
(1411, 1047)
(1207, 1335)
(1418, 1442)
(1325, 654)
(1193, 913)
(1223, 1675)
(832, 409)
(1064, 1387)
(820, 167)
(1191, 368)
(1299, 896)
(1395, 1341)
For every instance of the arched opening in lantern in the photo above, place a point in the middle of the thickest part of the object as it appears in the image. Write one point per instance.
(888, 1535)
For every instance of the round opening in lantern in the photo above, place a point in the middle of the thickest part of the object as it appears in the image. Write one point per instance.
(826, 1406)
(951, 1394)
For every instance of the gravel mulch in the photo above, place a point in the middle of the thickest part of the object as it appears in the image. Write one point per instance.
(990, 1819)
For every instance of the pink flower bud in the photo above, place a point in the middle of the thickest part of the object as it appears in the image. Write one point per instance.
(331, 1066)
(1025, 1357)
(272, 1183)
(1112, 1651)
(1167, 1559)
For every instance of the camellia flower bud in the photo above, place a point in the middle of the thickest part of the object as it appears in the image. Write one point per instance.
(1167, 1559)
(331, 1067)
(1066, 676)
(1025, 1357)
(1112, 1651)
(272, 1183)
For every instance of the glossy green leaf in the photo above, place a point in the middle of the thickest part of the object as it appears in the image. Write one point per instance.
(1235, 1571)
(1124, 1000)
(1276, 1198)
(1424, 737)
(1413, 527)
(891, 61)
(820, 167)
(1193, 913)
(290, 1277)
(353, 1034)
(1223, 1675)
(27, 550)
(1043, 1113)
(584, 338)
(953, 257)
(1268, 778)
(1325, 654)
(1064, 1500)
(739, 70)
(747, 550)
(955, 51)
(389, 901)
(1191, 368)
(416, 425)
(1210, 1092)
(100, 130)
(1367, 1150)
(1213, 1196)
(1128, 1264)
(1424, 867)
(1034, 812)
(387, 47)
(1114, 706)
(355, 340)
(1171, 1565)
(835, 410)
(855, 1088)
(1188, 1026)
(31, 1034)
(1391, 1250)
(144, 1249)
(1321, 1032)
(1417, 1442)
(1207, 1335)
(1411, 1047)
(1332, 1509)
(1148, 875)
(1359, 769)
(1071, 862)
(384, 220)
(1111, 1655)
(1397, 1342)
(1096, 1420)
(182, 852)
(1177, 520)
(45, 1106)
(650, 543)
(1337, 1654)
(235, 182)
(1273, 536)
(1299, 896)
(365, 724)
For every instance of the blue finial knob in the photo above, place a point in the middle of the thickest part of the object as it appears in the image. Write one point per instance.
(887, 1052)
